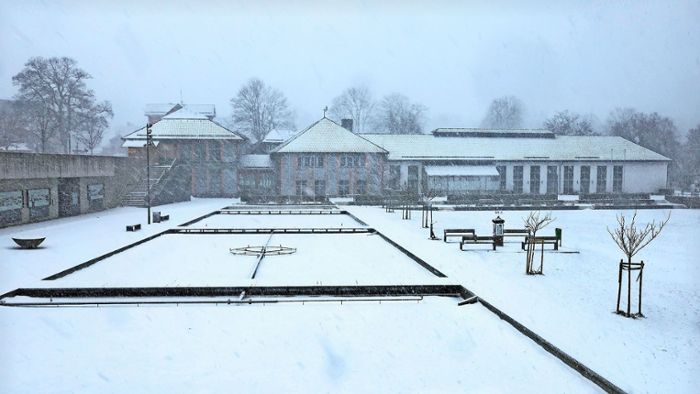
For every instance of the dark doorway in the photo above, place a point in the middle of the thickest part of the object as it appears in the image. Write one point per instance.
(68, 197)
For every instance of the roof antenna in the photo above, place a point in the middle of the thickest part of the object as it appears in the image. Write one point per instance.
(324, 111)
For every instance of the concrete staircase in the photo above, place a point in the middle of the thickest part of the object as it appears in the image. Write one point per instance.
(137, 196)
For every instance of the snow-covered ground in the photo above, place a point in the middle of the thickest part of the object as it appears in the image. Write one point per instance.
(427, 346)
(205, 260)
(71, 241)
(572, 304)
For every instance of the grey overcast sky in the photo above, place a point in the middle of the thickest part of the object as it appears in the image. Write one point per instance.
(454, 57)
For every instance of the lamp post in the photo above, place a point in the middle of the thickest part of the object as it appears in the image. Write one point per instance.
(149, 142)
(498, 231)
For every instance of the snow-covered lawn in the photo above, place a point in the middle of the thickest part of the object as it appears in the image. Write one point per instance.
(205, 260)
(426, 346)
(71, 241)
(572, 304)
(431, 345)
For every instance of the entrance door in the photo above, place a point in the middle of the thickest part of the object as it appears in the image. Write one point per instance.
(534, 179)
(585, 179)
(68, 197)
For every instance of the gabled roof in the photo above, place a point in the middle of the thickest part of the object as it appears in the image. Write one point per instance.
(328, 137)
(278, 136)
(186, 129)
(424, 147)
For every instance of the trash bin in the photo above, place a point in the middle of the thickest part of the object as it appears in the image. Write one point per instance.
(557, 233)
(156, 217)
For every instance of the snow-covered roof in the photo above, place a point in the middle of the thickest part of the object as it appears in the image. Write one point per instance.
(197, 129)
(560, 148)
(158, 108)
(279, 135)
(16, 147)
(461, 171)
(139, 143)
(186, 112)
(256, 161)
(328, 136)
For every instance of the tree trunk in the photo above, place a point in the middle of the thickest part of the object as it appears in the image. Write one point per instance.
(629, 284)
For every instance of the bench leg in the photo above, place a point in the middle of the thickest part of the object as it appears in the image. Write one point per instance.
(556, 245)
(494, 246)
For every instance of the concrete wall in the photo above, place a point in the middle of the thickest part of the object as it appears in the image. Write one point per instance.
(28, 172)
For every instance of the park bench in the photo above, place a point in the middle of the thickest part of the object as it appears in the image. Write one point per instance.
(164, 218)
(475, 239)
(458, 232)
(516, 232)
(538, 240)
(133, 227)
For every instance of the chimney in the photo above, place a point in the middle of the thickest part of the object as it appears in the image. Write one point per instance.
(346, 123)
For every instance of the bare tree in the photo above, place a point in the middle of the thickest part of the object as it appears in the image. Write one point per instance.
(354, 103)
(652, 131)
(533, 223)
(41, 126)
(690, 158)
(397, 115)
(55, 89)
(631, 238)
(12, 124)
(569, 123)
(258, 108)
(504, 113)
(92, 125)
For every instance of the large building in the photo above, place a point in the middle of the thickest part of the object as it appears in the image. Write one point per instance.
(188, 138)
(458, 161)
(329, 160)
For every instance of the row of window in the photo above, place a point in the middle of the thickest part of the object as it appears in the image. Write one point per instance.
(319, 188)
(316, 161)
(568, 184)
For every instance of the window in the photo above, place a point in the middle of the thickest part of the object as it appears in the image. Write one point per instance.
(617, 179)
(38, 201)
(343, 187)
(552, 180)
(413, 178)
(568, 179)
(301, 187)
(394, 176)
(501, 177)
(198, 152)
(266, 181)
(310, 161)
(11, 207)
(215, 181)
(534, 179)
(361, 186)
(319, 188)
(517, 179)
(601, 179)
(95, 195)
(352, 160)
(585, 179)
